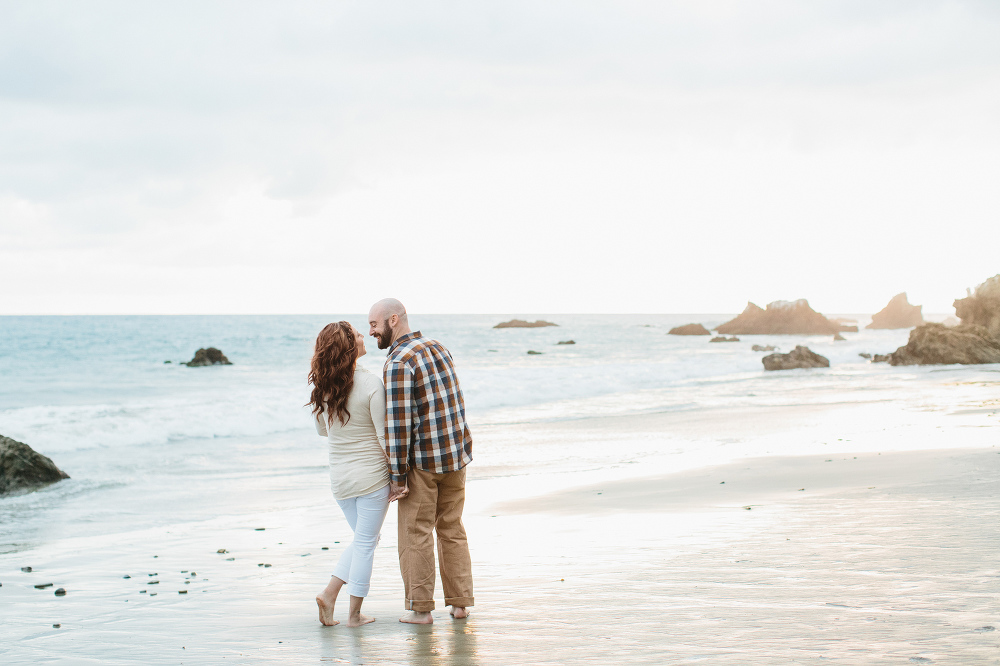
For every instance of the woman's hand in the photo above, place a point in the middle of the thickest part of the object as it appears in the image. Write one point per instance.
(397, 491)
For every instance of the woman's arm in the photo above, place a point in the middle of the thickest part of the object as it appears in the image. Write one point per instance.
(377, 407)
(321, 424)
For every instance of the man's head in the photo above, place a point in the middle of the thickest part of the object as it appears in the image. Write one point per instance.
(387, 321)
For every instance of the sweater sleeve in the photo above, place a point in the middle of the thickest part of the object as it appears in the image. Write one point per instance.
(320, 422)
(376, 405)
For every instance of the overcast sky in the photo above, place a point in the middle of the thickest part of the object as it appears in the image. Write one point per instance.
(521, 157)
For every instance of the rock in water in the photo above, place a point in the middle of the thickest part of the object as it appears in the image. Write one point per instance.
(566, 342)
(520, 323)
(722, 338)
(780, 317)
(763, 348)
(837, 337)
(800, 357)
(210, 356)
(936, 344)
(689, 329)
(22, 469)
(983, 307)
(898, 314)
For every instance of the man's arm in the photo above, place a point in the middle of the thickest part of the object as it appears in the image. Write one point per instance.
(398, 419)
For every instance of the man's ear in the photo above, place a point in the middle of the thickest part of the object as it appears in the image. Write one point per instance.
(393, 320)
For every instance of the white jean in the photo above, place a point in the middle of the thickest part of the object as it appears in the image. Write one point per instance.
(365, 515)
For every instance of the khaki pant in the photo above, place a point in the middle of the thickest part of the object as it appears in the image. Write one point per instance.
(435, 503)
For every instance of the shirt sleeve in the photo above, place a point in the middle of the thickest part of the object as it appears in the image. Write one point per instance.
(320, 420)
(398, 418)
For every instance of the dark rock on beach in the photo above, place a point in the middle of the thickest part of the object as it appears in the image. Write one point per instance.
(780, 318)
(936, 344)
(210, 356)
(982, 308)
(520, 323)
(800, 357)
(22, 469)
(897, 314)
(722, 338)
(689, 329)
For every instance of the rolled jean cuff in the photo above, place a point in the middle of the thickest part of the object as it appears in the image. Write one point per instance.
(461, 602)
(419, 606)
(357, 589)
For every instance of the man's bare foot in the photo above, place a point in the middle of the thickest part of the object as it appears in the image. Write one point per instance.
(358, 620)
(459, 612)
(326, 611)
(414, 617)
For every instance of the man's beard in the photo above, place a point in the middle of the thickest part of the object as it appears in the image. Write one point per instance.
(384, 335)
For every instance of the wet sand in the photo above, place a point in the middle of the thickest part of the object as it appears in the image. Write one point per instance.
(867, 556)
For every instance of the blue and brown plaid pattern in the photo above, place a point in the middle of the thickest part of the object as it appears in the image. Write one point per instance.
(425, 412)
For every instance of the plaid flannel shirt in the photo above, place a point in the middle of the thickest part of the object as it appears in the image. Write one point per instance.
(425, 412)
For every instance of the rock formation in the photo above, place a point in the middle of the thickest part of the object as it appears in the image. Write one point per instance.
(22, 469)
(800, 357)
(210, 356)
(846, 325)
(837, 337)
(982, 308)
(780, 317)
(722, 338)
(934, 344)
(763, 348)
(898, 314)
(566, 342)
(689, 329)
(520, 323)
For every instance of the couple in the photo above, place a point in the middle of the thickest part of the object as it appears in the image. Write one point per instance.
(406, 440)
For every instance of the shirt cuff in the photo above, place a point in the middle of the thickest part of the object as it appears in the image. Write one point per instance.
(398, 479)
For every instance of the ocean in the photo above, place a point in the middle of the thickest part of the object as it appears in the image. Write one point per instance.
(146, 439)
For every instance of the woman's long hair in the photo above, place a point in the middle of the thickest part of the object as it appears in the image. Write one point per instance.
(332, 371)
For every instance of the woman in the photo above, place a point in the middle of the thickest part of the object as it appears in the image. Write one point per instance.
(348, 403)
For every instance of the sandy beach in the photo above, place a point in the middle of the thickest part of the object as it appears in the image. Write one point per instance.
(875, 546)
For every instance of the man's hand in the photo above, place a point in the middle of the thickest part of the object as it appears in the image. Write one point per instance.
(397, 491)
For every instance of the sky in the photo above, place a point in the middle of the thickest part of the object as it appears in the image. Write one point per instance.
(496, 157)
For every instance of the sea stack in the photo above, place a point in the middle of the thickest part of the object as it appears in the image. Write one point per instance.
(689, 329)
(210, 356)
(982, 308)
(520, 323)
(897, 314)
(22, 469)
(780, 318)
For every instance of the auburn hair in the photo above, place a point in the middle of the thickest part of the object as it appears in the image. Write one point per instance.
(331, 372)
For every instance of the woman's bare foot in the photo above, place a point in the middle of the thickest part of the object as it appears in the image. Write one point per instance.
(459, 612)
(413, 617)
(358, 620)
(326, 611)
(327, 599)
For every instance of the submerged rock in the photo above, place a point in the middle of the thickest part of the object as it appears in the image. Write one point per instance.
(936, 344)
(800, 357)
(22, 469)
(763, 348)
(520, 323)
(780, 317)
(689, 329)
(898, 314)
(865, 355)
(982, 308)
(880, 358)
(722, 338)
(210, 356)
(566, 342)
(532, 352)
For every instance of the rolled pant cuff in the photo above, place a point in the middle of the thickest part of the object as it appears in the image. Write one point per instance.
(419, 606)
(461, 602)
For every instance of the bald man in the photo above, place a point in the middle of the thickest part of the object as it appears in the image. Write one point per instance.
(429, 446)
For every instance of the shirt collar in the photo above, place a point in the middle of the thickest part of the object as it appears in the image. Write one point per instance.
(404, 338)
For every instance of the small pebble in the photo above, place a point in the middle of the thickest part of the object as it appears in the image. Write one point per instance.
(152, 594)
(325, 548)
(56, 626)
(258, 529)
(266, 566)
(43, 586)
(26, 569)
(182, 591)
(222, 551)
(187, 582)
(126, 576)
(747, 508)
(61, 592)
(153, 582)
(193, 574)
(230, 559)
(142, 591)
(153, 574)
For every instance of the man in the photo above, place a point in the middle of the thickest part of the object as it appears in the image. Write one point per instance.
(429, 447)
